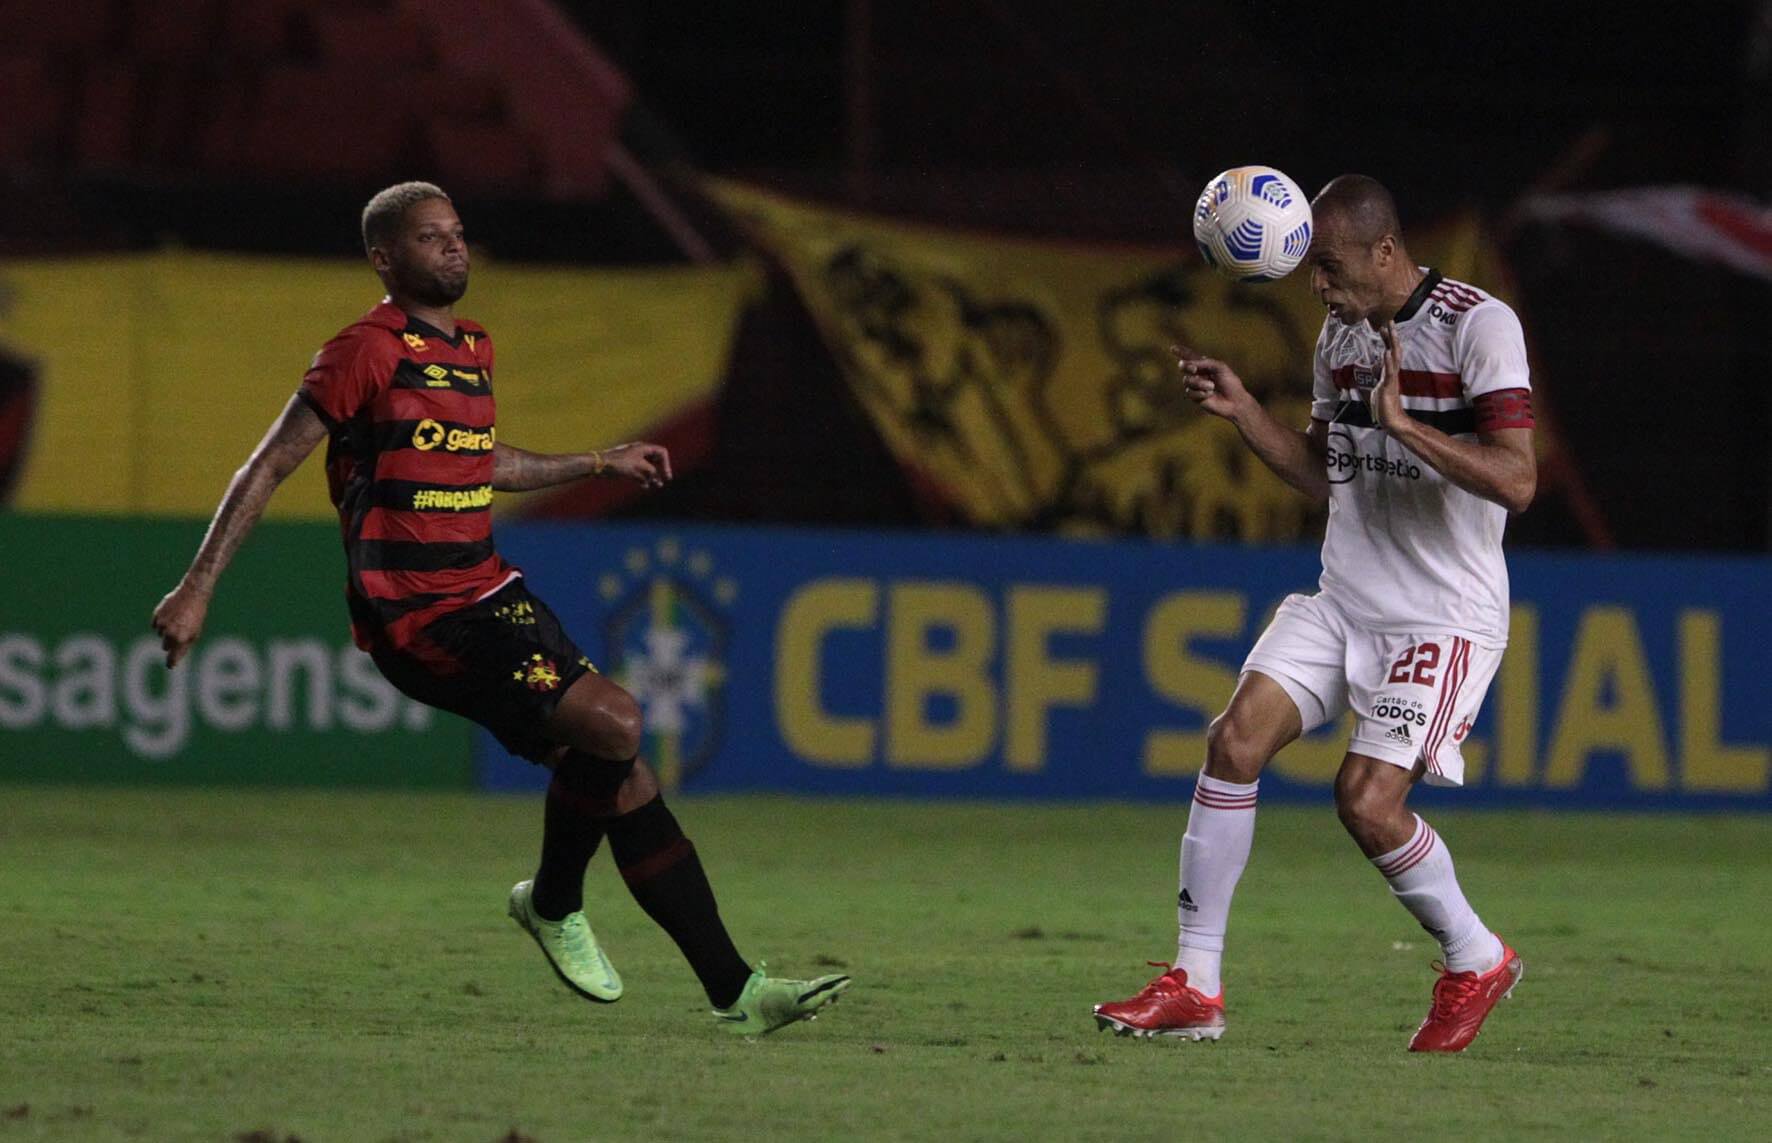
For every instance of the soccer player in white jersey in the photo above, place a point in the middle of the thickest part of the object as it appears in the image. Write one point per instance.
(1420, 440)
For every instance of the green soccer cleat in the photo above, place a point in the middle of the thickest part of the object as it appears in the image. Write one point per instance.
(768, 1003)
(572, 949)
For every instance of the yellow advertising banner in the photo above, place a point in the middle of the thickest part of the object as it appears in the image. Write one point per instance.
(1032, 382)
(159, 372)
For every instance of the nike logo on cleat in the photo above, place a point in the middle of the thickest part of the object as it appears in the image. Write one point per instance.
(826, 987)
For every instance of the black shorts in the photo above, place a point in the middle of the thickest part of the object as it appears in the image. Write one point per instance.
(503, 662)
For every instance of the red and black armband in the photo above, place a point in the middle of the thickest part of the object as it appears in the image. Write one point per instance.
(1504, 409)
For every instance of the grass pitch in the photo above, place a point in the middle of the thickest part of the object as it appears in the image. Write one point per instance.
(221, 965)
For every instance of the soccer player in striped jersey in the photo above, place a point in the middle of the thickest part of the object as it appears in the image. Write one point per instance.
(1420, 440)
(403, 398)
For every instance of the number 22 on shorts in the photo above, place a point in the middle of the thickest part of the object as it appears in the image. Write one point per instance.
(1426, 659)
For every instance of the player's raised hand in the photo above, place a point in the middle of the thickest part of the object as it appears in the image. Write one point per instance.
(1211, 384)
(649, 464)
(1386, 397)
(179, 620)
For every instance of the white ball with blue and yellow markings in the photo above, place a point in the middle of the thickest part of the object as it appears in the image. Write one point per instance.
(1252, 224)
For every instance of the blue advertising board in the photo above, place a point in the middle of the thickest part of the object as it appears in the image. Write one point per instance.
(927, 665)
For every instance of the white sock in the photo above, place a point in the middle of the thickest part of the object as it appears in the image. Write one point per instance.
(1421, 875)
(1220, 829)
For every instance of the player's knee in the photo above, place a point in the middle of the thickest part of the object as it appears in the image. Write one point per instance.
(1233, 752)
(619, 725)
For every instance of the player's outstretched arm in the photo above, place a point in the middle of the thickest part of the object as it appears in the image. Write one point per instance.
(179, 618)
(516, 470)
(1296, 457)
(1500, 465)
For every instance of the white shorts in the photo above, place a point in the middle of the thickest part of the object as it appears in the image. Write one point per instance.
(1414, 696)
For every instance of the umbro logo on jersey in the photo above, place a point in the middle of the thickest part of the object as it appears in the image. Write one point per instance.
(1187, 902)
(1400, 733)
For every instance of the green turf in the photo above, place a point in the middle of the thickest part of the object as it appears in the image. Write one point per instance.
(199, 965)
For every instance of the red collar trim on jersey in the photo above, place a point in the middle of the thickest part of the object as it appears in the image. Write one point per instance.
(1419, 297)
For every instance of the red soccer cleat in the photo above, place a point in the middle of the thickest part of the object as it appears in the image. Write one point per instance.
(1462, 1001)
(1165, 1007)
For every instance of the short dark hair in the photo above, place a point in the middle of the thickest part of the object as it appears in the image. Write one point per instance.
(1364, 202)
(381, 218)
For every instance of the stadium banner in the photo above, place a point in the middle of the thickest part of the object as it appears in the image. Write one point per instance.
(151, 410)
(924, 665)
(1704, 225)
(1031, 382)
(273, 694)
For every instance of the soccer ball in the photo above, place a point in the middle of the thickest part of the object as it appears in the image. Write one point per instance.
(1252, 224)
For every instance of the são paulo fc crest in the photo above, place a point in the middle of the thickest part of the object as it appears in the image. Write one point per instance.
(665, 641)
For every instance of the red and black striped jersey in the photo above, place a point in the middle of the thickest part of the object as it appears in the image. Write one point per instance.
(409, 466)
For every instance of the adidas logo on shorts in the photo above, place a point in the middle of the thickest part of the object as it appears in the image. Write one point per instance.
(1400, 733)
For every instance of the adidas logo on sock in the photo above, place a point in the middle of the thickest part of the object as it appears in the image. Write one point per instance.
(1400, 733)
(1187, 902)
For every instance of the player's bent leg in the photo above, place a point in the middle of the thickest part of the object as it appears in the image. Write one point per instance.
(1187, 1000)
(1261, 717)
(599, 726)
(600, 778)
(1479, 969)
(665, 875)
(599, 723)
(550, 907)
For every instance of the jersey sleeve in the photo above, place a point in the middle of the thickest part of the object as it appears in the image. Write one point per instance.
(1324, 397)
(347, 374)
(1491, 350)
(1492, 360)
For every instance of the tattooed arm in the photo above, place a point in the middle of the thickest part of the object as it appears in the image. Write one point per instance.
(179, 616)
(516, 470)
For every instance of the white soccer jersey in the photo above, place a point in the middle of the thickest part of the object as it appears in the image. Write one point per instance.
(1406, 549)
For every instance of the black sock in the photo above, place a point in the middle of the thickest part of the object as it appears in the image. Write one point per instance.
(666, 878)
(572, 827)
